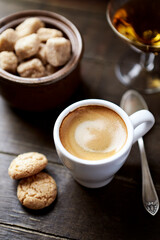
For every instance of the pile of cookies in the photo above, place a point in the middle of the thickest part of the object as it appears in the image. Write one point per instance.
(32, 50)
(36, 189)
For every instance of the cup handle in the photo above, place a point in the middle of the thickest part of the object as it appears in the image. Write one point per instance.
(142, 122)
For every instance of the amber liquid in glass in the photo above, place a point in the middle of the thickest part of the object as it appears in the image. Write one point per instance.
(139, 21)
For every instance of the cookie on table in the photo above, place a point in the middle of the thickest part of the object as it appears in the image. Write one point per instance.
(38, 191)
(27, 164)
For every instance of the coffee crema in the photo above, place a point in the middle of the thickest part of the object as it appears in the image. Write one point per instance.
(93, 132)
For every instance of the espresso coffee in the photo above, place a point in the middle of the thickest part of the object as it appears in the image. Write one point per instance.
(93, 132)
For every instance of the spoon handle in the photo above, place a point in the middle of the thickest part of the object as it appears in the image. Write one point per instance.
(149, 195)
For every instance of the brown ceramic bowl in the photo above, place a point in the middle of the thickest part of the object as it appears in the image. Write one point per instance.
(38, 94)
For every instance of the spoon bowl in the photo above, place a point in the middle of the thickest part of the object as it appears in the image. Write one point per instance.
(131, 102)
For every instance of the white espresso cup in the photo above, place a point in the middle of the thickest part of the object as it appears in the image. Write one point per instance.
(98, 173)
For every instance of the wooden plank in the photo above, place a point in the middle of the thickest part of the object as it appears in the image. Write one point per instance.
(10, 232)
(20, 132)
(89, 5)
(79, 213)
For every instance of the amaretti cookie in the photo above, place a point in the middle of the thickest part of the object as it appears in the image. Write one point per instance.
(27, 164)
(38, 191)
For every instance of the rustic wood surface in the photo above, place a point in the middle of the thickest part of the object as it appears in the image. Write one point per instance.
(113, 212)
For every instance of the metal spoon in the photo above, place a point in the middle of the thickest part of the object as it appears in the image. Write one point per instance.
(131, 102)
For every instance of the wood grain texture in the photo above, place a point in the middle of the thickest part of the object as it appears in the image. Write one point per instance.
(112, 212)
(10, 232)
(78, 211)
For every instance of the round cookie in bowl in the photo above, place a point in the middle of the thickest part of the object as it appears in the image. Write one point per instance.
(23, 88)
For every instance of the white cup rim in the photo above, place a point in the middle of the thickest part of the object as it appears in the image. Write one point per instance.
(97, 102)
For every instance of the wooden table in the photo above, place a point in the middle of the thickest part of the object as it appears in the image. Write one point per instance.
(113, 212)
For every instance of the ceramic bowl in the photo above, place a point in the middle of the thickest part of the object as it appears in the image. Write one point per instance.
(38, 94)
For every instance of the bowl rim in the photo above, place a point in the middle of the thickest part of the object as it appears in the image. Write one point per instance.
(67, 68)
